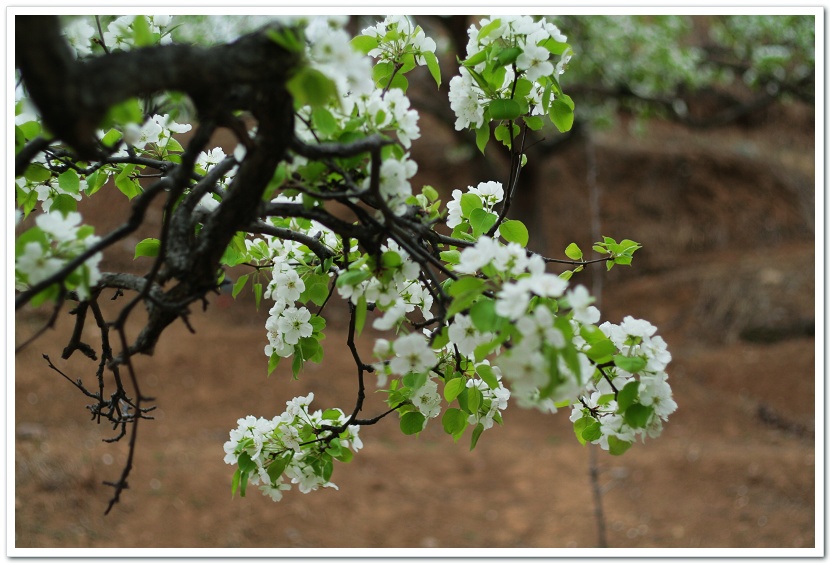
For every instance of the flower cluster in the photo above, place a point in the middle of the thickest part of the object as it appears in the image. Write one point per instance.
(287, 450)
(632, 398)
(394, 288)
(157, 131)
(46, 248)
(490, 194)
(509, 70)
(329, 51)
(398, 37)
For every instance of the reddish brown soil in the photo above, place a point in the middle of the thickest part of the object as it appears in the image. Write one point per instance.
(727, 273)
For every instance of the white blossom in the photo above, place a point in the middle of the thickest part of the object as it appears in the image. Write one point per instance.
(294, 325)
(412, 354)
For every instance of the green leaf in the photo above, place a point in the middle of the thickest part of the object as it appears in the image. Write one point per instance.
(297, 365)
(601, 351)
(257, 294)
(30, 129)
(26, 201)
(441, 339)
(328, 469)
(112, 137)
(277, 466)
(235, 481)
(555, 47)
(505, 109)
(546, 97)
(311, 349)
(593, 431)
(476, 435)
(141, 32)
(534, 122)
(273, 362)
(287, 39)
(484, 349)
(454, 421)
(568, 101)
(579, 427)
(508, 56)
(432, 65)
(637, 415)
(391, 259)
(561, 115)
(37, 173)
(232, 256)
(487, 375)
(173, 145)
(627, 396)
(502, 133)
(454, 387)
(323, 121)
(360, 314)
(477, 58)
(631, 364)
(408, 62)
(128, 111)
(451, 256)
(474, 399)
(463, 301)
(481, 221)
(364, 43)
(483, 315)
(412, 423)
(466, 284)
(430, 193)
(243, 483)
(617, 446)
(334, 448)
(126, 184)
(573, 252)
(311, 87)
(352, 277)
(69, 182)
(64, 203)
(346, 455)
(487, 87)
(148, 247)
(318, 293)
(483, 135)
(469, 203)
(514, 231)
(591, 334)
(487, 29)
(19, 139)
(245, 462)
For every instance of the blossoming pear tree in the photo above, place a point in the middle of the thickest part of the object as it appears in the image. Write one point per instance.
(471, 318)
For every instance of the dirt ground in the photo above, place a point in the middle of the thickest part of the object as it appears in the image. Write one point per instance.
(727, 273)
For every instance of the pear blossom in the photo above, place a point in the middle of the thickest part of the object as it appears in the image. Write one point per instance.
(465, 336)
(294, 325)
(412, 354)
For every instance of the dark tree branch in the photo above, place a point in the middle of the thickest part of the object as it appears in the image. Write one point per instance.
(322, 251)
(73, 96)
(27, 153)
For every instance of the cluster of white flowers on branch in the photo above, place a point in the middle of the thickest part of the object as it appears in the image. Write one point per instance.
(471, 315)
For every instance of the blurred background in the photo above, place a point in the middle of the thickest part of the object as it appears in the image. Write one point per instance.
(695, 136)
